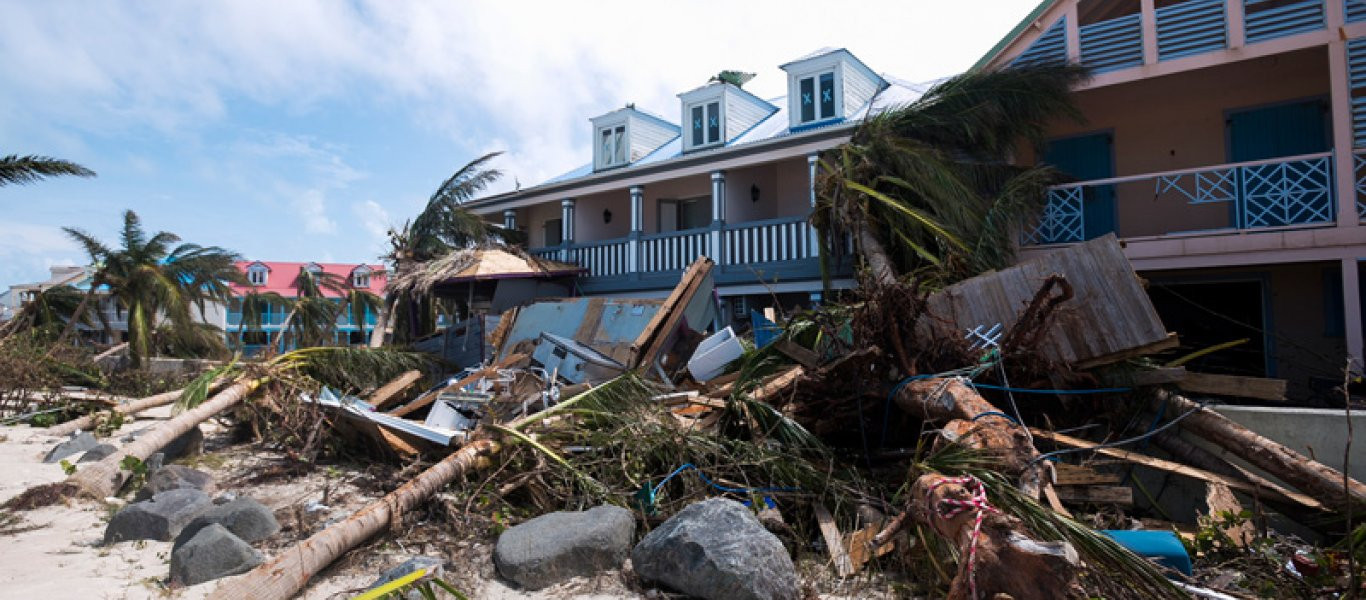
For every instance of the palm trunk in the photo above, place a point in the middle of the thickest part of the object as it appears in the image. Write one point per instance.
(1323, 483)
(879, 263)
(74, 319)
(293, 567)
(280, 335)
(381, 324)
(104, 478)
(130, 408)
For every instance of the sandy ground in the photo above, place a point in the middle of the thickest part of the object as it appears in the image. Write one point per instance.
(60, 556)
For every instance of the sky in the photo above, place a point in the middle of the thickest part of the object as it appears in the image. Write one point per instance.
(302, 130)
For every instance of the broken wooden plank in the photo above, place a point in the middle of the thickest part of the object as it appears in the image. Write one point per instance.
(1167, 343)
(777, 384)
(1079, 475)
(389, 393)
(1258, 388)
(834, 541)
(1097, 494)
(1221, 503)
(860, 546)
(430, 397)
(1178, 468)
(1054, 502)
(396, 443)
(804, 357)
(661, 325)
(1158, 376)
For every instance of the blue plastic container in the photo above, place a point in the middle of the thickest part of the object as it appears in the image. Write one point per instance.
(1162, 546)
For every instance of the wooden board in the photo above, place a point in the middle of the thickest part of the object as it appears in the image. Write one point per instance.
(1179, 469)
(672, 307)
(1078, 475)
(1259, 388)
(1159, 376)
(1109, 313)
(834, 541)
(860, 546)
(389, 394)
(430, 397)
(1096, 494)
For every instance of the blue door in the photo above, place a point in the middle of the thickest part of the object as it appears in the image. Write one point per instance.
(1084, 158)
(1274, 132)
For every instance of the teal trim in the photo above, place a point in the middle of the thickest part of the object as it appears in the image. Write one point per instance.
(1084, 158)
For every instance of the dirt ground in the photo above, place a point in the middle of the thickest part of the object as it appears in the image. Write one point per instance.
(55, 552)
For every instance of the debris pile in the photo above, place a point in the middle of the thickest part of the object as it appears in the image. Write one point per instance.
(994, 437)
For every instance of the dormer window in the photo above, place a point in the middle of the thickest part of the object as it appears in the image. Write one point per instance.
(705, 123)
(612, 145)
(257, 274)
(314, 268)
(360, 278)
(817, 97)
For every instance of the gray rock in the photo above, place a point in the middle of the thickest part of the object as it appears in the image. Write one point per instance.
(99, 452)
(555, 547)
(79, 442)
(154, 462)
(247, 519)
(175, 477)
(435, 567)
(716, 549)
(212, 553)
(160, 518)
(190, 443)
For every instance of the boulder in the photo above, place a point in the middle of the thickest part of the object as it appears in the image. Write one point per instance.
(555, 547)
(78, 442)
(160, 518)
(246, 518)
(99, 452)
(175, 477)
(717, 549)
(435, 567)
(190, 443)
(213, 552)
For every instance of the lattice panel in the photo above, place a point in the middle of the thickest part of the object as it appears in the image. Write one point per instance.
(1062, 220)
(1288, 193)
(1205, 187)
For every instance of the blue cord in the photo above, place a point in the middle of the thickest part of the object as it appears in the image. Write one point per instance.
(713, 484)
(988, 386)
(996, 413)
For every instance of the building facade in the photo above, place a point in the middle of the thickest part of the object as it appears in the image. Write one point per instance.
(282, 278)
(1224, 143)
(733, 182)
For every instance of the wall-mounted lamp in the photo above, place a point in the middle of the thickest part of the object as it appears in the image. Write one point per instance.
(606, 215)
(753, 193)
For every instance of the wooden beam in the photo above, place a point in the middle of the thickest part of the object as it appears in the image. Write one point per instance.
(1167, 343)
(1258, 388)
(834, 541)
(1158, 376)
(1078, 475)
(1096, 494)
(430, 397)
(389, 394)
(1178, 468)
(804, 357)
(670, 315)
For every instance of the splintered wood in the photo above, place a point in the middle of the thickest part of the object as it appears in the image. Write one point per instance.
(1108, 316)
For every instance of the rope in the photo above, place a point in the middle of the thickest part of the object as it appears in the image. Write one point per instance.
(949, 508)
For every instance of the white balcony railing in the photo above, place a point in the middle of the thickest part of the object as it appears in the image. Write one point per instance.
(769, 241)
(1275, 193)
(673, 251)
(605, 258)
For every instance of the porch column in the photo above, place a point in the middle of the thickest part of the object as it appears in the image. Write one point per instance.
(1351, 312)
(718, 216)
(1072, 37)
(510, 219)
(812, 164)
(566, 227)
(1148, 24)
(1340, 109)
(1233, 11)
(637, 227)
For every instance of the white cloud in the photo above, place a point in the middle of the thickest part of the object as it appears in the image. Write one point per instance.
(311, 206)
(27, 250)
(373, 219)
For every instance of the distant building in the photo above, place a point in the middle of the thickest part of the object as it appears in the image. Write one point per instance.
(282, 278)
(734, 182)
(14, 299)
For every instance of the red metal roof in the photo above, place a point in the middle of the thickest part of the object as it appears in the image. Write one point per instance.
(283, 274)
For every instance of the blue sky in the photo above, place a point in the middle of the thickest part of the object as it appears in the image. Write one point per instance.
(302, 130)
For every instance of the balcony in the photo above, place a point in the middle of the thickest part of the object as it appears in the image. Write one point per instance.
(1275, 194)
(774, 246)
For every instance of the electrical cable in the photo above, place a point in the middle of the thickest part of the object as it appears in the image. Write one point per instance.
(723, 488)
(1123, 442)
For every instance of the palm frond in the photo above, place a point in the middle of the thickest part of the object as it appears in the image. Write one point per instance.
(19, 170)
(350, 369)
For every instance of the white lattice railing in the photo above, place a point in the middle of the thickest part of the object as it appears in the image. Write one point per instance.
(768, 241)
(673, 251)
(1280, 192)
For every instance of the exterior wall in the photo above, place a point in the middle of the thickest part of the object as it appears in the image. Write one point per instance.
(1178, 122)
(688, 187)
(742, 111)
(1300, 347)
(647, 135)
(783, 192)
(588, 223)
(535, 219)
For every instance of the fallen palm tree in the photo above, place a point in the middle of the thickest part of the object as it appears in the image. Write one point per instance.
(290, 571)
(128, 409)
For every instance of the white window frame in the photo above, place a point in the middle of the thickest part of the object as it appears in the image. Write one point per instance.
(706, 125)
(360, 278)
(258, 275)
(815, 78)
(615, 150)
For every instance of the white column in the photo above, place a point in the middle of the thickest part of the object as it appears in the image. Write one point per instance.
(718, 216)
(1340, 112)
(566, 226)
(510, 219)
(1233, 11)
(1148, 24)
(812, 164)
(637, 227)
(1351, 312)
(1072, 37)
